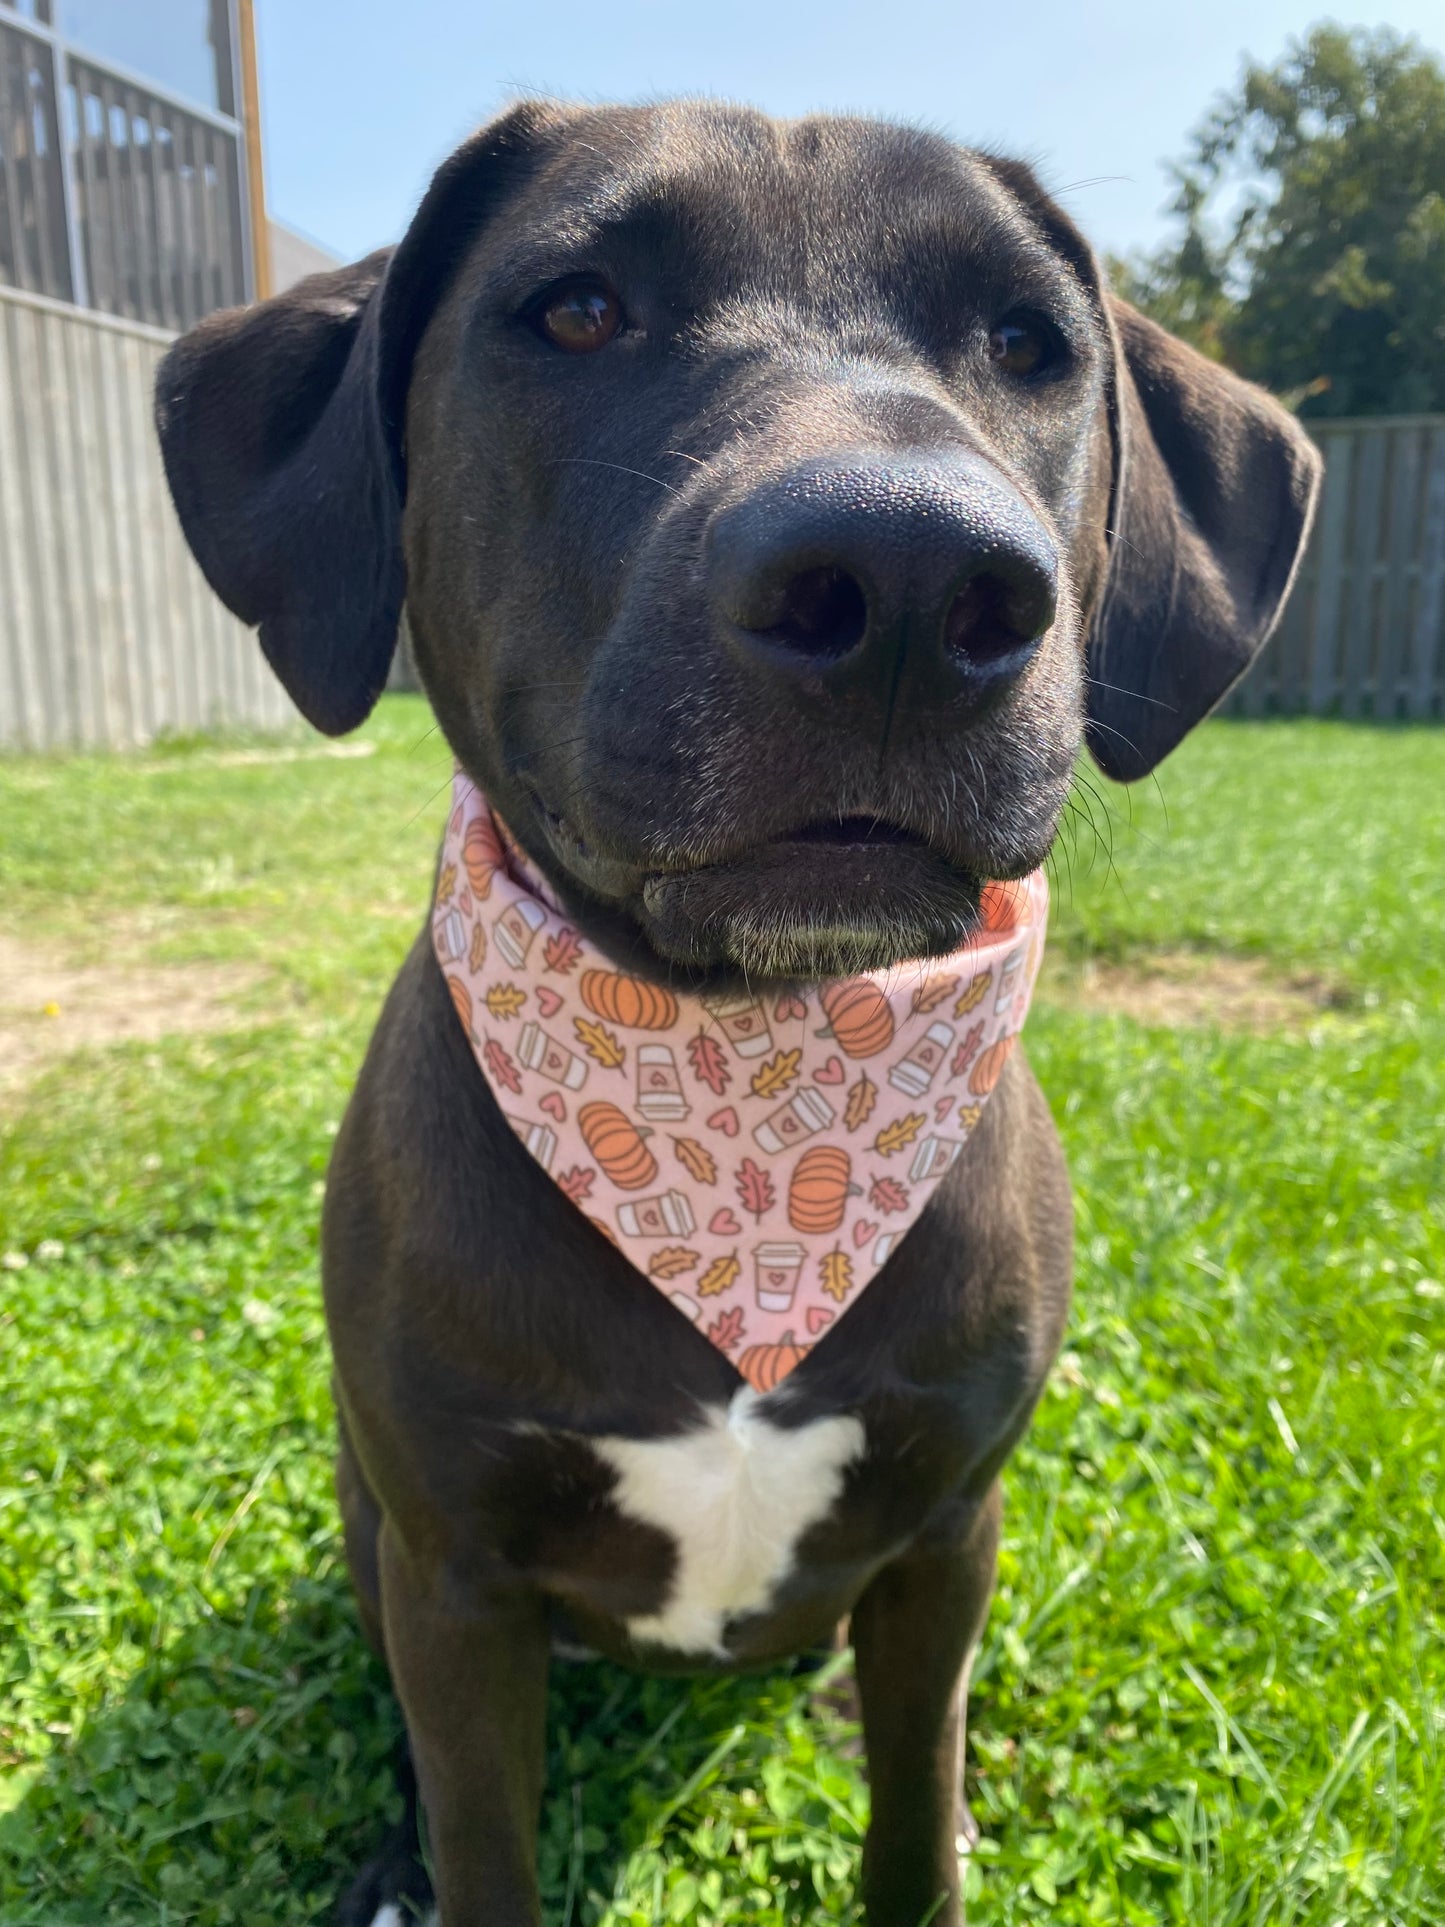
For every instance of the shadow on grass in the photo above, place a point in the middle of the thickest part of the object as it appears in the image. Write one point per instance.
(246, 1773)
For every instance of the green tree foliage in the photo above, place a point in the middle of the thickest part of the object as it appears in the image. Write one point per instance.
(1312, 256)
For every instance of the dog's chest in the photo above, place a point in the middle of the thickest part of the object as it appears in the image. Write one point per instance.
(736, 1495)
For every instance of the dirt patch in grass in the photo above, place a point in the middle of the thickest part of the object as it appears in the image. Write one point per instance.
(50, 1007)
(1184, 989)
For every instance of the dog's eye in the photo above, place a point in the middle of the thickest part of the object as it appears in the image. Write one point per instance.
(579, 316)
(1023, 345)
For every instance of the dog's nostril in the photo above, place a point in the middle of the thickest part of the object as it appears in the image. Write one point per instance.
(990, 618)
(824, 613)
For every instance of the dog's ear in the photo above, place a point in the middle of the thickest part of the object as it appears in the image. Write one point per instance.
(1214, 489)
(282, 425)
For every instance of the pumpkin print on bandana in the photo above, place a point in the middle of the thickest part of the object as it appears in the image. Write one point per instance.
(756, 1157)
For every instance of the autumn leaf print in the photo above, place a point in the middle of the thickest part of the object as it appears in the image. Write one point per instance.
(835, 1272)
(789, 1009)
(600, 1043)
(505, 1000)
(446, 883)
(893, 1137)
(577, 1182)
(930, 995)
(774, 1077)
(887, 1194)
(499, 1062)
(726, 1330)
(696, 1159)
(862, 1096)
(969, 1114)
(478, 951)
(560, 953)
(709, 1065)
(967, 1050)
(755, 1188)
(672, 1261)
(974, 994)
(721, 1275)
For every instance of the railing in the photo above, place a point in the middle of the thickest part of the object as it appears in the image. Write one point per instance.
(1364, 633)
(112, 193)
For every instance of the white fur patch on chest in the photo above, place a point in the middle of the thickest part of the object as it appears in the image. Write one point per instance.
(735, 1495)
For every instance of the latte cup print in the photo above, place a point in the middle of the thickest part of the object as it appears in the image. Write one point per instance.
(884, 1246)
(744, 1023)
(805, 1114)
(687, 1305)
(451, 935)
(548, 1058)
(668, 1215)
(659, 1085)
(779, 1267)
(516, 930)
(914, 1073)
(934, 1156)
(539, 1139)
(1008, 978)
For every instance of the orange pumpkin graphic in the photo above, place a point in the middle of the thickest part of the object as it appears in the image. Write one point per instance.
(861, 1017)
(628, 1000)
(482, 854)
(765, 1366)
(462, 998)
(818, 1191)
(615, 1142)
(989, 1067)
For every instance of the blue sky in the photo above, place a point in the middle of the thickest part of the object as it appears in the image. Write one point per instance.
(362, 99)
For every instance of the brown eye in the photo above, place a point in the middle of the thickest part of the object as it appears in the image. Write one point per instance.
(1022, 346)
(580, 316)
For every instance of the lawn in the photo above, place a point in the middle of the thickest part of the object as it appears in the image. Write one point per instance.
(1213, 1688)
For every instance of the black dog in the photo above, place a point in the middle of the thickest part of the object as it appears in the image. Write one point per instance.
(740, 725)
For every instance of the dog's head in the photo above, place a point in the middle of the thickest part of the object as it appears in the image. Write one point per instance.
(776, 506)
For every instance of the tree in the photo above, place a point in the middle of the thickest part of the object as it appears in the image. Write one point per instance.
(1326, 278)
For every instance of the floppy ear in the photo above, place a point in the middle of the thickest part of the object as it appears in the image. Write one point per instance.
(282, 426)
(1214, 491)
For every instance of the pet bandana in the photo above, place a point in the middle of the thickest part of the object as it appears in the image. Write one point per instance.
(756, 1157)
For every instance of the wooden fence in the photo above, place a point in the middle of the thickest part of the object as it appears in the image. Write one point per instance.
(108, 632)
(1364, 632)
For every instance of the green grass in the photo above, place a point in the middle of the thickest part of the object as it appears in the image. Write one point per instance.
(1213, 1687)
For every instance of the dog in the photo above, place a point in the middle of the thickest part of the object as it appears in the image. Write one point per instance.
(778, 507)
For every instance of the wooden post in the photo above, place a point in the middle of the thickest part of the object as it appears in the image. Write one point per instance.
(251, 131)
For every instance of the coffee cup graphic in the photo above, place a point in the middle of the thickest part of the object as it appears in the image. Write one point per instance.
(779, 1267)
(539, 1139)
(516, 930)
(451, 935)
(934, 1157)
(744, 1023)
(668, 1215)
(542, 1053)
(914, 1073)
(1008, 977)
(884, 1247)
(805, 1114)
(659, 1085)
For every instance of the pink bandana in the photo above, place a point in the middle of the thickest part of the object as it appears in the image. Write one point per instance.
(757, 1158)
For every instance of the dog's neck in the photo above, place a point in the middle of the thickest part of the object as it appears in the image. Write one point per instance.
(756, 1157)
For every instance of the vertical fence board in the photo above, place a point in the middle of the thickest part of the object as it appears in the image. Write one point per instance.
(108, 633)
(1427, 679)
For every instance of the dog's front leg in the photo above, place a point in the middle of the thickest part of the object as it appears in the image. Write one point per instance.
(469, 1663)
(913, 1632)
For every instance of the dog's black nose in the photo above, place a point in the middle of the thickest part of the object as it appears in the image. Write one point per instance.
(853, 560)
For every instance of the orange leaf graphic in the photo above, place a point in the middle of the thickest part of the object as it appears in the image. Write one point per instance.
(893, 1137)
(774, 1077)
(559, 953)
(709, 1065)
(446, 883)
(930, 995)
(672, 1261)
(478, 950)
(755, 1188)
(600, 1043)
(505, 1000)
(974, 993)
(721, 1275)
(696, 1159)
(862, 1096)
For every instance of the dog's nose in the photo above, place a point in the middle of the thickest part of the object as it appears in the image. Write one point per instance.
(852, 561)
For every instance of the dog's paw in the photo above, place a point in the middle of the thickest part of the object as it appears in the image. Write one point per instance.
(391, 1891)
